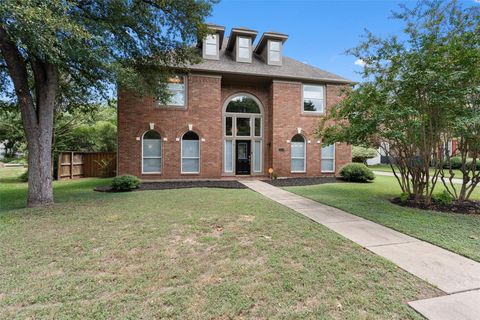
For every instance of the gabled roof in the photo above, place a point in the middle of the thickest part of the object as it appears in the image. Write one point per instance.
(290, 69)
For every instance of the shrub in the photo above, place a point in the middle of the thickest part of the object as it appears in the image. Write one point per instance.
(125, 183)
(455, 163)
(361, 154)
(443, 198)
(356, 172)
(469, 165)
(24, 176)
(404, 196)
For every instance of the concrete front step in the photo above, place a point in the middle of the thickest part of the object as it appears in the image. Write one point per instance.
(444, 269)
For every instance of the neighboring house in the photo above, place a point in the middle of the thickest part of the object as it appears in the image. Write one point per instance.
(244, 109)
(2, 150)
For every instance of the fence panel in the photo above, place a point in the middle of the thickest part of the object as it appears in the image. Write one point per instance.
(74, 165)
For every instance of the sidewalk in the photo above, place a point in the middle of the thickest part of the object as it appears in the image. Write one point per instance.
(456, 275)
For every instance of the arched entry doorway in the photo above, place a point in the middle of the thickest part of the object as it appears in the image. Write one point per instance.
(243, 135)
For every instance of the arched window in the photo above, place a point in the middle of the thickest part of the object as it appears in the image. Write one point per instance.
(298, 153)
(242, 104)
(151, 152)
(190, 153)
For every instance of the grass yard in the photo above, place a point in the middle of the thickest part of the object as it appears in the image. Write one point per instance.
(387, 168)
(456, 232)
(190, 254)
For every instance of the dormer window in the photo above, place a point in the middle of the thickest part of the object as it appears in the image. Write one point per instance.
(212, 43)
(239, 44)
(270, 47)
(210, 47)
(274, 52)
(244, 49)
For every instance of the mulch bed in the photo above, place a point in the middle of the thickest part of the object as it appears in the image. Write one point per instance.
(467, 207)
(164, 185)
(291, 182)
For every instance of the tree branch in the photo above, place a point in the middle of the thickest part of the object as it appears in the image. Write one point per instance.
(17, 70)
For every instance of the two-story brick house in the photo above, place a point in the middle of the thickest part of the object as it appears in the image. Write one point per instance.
(244, 109)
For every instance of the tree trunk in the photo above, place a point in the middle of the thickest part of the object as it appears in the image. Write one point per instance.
(40, 190)
(37, 115)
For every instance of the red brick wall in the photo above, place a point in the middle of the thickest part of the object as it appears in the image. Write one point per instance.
(203, 112)
(287, 118)
(206, 97)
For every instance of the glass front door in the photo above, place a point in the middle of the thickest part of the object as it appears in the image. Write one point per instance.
(243, 156)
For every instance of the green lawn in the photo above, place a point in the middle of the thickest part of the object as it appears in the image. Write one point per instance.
(387, 168)
(456, 232)
(189, 254)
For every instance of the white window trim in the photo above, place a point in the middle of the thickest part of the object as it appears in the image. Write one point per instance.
(237, 51)
(225, 155)
(216, 56)
(234, 137)
(323, 100)
(297, 158)
(151, 157)
(273, 62)
(182, 157)
(255, 156)
(185, 96)
(332, 158)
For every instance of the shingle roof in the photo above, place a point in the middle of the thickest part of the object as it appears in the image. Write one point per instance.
(290, 69)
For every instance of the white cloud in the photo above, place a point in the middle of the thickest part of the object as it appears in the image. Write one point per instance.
(360, 62)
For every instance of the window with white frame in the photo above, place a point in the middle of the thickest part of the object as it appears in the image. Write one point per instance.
(211, 45)
(177, 89)
(151, 152)
(244, 51)
(328, 158)
(298, 152)
(190, 153)
(274, 53)
(313, 98)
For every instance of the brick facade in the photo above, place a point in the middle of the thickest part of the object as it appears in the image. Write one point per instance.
(206, 97)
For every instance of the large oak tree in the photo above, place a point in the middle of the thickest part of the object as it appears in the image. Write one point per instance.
(53, 52)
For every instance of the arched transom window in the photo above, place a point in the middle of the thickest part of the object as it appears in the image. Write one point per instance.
(151, 152)
(190, 153)
(298, 153)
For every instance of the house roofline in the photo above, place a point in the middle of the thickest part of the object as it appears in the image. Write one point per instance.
(266, 75)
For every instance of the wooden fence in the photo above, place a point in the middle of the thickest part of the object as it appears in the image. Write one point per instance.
(74, 165)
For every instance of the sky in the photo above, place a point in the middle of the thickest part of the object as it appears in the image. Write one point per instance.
(319, 31)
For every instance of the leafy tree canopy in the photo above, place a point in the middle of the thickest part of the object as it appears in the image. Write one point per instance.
(57, 53)
(415, 90)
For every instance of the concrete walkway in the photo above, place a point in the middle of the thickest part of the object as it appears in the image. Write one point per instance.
(390, 174)
(456, 275)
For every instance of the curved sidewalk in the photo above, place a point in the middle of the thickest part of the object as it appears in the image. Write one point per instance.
(456, 275)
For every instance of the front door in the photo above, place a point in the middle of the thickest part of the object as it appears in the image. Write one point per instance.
(242, 157)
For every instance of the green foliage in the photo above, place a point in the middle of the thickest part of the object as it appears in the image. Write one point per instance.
(454, 163)
(444, 198)
(24, 176)
(404, 197)
(94, 44)
(361, 154)
(471, 167)
(11, 129)
(356, 172)
(125, 183)
(416, 89)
